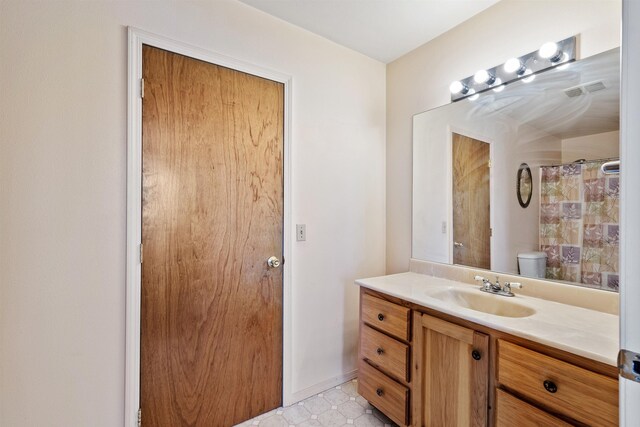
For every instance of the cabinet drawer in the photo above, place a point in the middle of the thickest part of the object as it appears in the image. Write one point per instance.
(512, 411)
(388, 354)
(575, 392)
(387, 395)
(386, 316)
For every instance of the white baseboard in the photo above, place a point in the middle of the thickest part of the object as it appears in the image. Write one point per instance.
(319, 388)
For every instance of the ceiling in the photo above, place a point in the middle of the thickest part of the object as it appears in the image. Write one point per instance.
(381, 29)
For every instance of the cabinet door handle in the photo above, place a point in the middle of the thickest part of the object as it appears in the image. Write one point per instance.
(379, 392)
(550, 386)
(476, 355)
(379, 351)
(380, 317)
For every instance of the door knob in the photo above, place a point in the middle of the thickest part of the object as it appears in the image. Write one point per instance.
(273, 262)
(458, 245)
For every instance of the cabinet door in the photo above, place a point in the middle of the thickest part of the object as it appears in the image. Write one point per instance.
(451, 372)
(512, 411)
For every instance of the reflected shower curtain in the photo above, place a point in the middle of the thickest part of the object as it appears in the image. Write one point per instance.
(579, 228)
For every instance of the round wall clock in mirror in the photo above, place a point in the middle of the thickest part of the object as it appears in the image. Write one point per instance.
(524, 185)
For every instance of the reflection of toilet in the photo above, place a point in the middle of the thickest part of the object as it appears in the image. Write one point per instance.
(532, 264)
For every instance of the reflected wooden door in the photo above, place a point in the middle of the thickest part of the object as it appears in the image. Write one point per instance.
(212, 212)
(471, 202)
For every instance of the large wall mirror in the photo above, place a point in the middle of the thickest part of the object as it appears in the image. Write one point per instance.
(469, 183)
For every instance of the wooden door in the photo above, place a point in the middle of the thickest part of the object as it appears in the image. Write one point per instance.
(451, 374)
(471, 202)
(212, 212)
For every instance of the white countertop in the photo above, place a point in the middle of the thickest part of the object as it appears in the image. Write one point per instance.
(589, 333)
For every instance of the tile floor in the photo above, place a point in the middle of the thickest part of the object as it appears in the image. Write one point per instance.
(337, 407)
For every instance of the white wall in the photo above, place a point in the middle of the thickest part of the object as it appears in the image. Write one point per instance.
(591, 147)
(62, 168)
(420, 80)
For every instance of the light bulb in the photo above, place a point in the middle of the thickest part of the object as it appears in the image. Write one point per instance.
(531, 77)
(458, 87)
(513, 65)
(548, 50)
(551, 51)
(483, 76)
(499, 86)
(474, 96)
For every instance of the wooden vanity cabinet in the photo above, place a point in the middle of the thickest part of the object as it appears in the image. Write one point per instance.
(511, 411)
(385, 352)
(386, 394)
(451, 374)
(565, 389)
(425, 368)
(389, 317)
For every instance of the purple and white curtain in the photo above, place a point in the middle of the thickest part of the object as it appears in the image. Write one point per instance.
(579, 226)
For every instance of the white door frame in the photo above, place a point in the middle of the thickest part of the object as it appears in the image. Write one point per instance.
(134, 206)
(630, 206)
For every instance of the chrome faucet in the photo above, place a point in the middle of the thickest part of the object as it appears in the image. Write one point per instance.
(507, 288)
(496, 288)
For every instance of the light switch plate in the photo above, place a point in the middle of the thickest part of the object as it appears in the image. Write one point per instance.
(301, 232)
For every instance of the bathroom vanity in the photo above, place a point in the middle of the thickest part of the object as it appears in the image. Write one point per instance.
(439, 352)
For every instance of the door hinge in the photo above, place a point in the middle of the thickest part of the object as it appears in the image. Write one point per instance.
(141, 251)
(140, 417)
(629, 365)
(489, 164)
(142, 88)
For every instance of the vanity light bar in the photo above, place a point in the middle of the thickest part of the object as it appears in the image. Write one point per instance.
(524, 68)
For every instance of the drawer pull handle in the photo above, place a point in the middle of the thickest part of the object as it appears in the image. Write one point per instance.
(476, 355)
(379, 392)
(550, 386)
(379, 351)
(380, 317)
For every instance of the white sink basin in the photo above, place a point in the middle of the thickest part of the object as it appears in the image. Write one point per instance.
(485, 303)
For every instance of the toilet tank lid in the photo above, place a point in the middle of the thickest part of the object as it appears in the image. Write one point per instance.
(532, 255)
